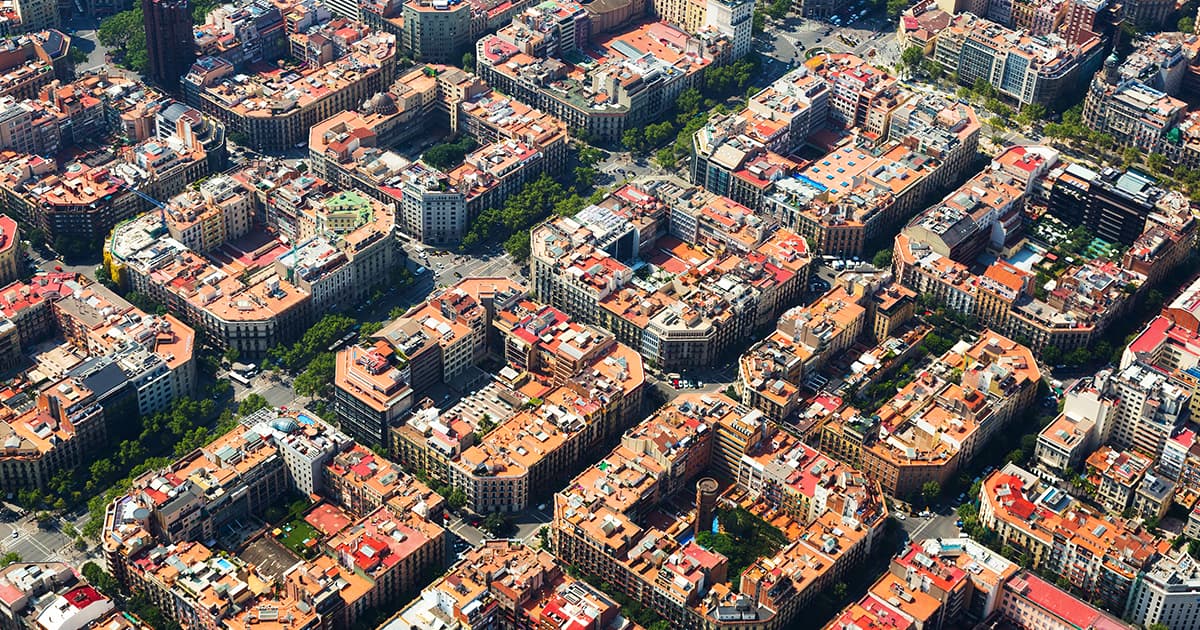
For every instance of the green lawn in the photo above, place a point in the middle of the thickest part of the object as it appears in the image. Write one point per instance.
(743, 539)
(294, 533)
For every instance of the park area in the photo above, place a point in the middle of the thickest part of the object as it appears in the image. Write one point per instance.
(299, 537)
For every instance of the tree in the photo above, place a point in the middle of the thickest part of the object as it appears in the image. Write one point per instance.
(317, 377)
(1159, 626)
(688, 104)
(448, 155)
(778, 9)
(632, 140)
(456, 499)
(912, 57)
(1051, 355)
(590, 155)
(982, 88)
(665, 157)
(468, 61)
(1078, 357)
(124, 32)
(252, 403)
(839, 592)
(11, 557)
(238, 137)
(1031, 113)
(78, 56)
(1129, 156)
(931, 491)
(895, 8)
(758, 22)
(495, 523)
(882, 259)
(1156, 162)
(933, 69)
(658, 134)
(1186, 24)
(517, 245)
(201, 9)
(231, 354)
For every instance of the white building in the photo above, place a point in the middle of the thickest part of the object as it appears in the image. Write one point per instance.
(1150, 406)
(305, 442)
(1168, 594)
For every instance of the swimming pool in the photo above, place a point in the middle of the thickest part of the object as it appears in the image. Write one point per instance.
(1026, 258)
(304, 419)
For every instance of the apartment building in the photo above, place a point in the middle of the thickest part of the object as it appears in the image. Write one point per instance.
(87, 196)
(700, 298)
(1170, 341)
(1148, 407)
(240, 473)
(609, 533)
(437, 32)
(362, 482)
(1117, 476)
(371, 390)
(394, 550)
(504, 582)
(32, 61)
(345, 250)
(582, 404)
(935, 425)
(1028, 601)
(1024, 67)
(1134, 113)
(11, 251)
(28, 304)
(364, 68)
(219, 212)
(771, 371)
(249, 312)
(429, 440)
(432, 344)
(933, 254)
(1066, 441)
(639, 72)
(1166, 592)
(738, 155)
(391, 116)
(856, 191)
(47, 594)
(1179, 461)
(1102, 556)
(252, 31)
(58, 433)
(1112, 204)
(933, 584)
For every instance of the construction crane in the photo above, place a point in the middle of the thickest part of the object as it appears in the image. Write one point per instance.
(162, 207)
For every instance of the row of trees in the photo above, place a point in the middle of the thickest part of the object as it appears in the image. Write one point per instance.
(538, 199)
(314, 341)
(671, 139)
(187, 425)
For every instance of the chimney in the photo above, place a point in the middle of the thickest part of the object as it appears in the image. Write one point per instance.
(707, 491)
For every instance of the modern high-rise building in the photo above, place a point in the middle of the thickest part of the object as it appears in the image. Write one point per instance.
(169, 40)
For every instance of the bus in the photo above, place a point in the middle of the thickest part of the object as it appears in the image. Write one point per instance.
(238, 377)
